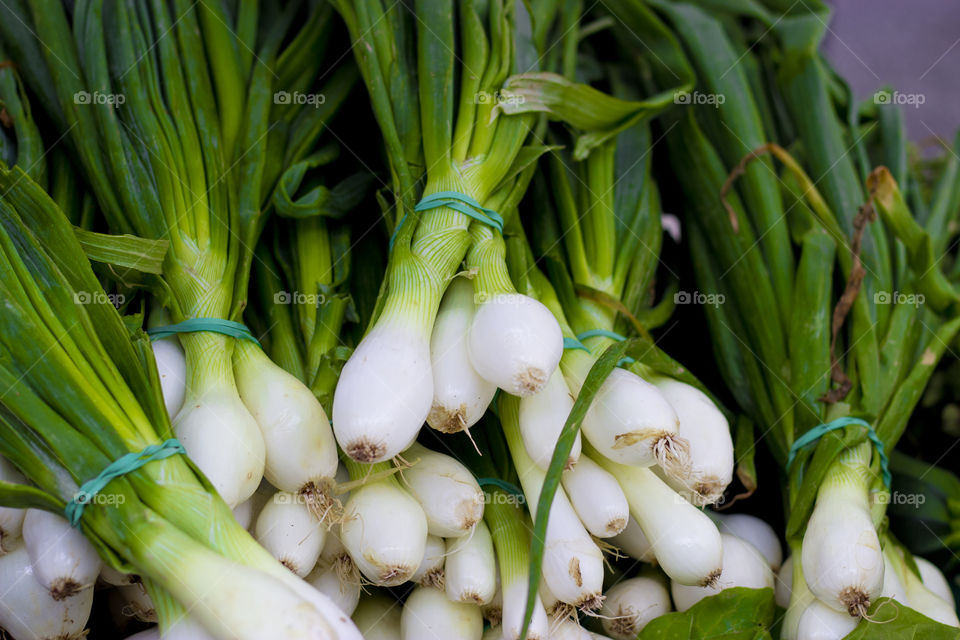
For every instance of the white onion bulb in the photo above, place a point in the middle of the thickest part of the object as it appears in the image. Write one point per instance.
(515, 343)
(172, 369)
(301, 453)
(431, 572)
(631, 422)
(710, 446)
(428, 613)
(842, 559)
(460, 394)
(633, 542)
(933, 579)
(631, 604)
(384, 393)
(542, 418)
(471, 567)
(755, 531)
(743, 566)
(385, 531)
(597, 498)
(63, 560)
(29, 612)
(822, 622)
(288, 529)
(448, 492)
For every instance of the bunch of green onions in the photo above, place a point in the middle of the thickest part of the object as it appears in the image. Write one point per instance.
(183, 118)
(461, 148)
(808, 269)
(81, 392)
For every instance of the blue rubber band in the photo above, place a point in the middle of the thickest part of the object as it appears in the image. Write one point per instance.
(458, 202)
(214, 325)
(573, 343)
(817, 432)
(119, 467)
(500, 484)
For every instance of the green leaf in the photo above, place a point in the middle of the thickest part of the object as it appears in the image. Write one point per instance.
(891, 620)
(21, 496)
(599, 115)
(126, 251)
(320, 200)
(733, 614)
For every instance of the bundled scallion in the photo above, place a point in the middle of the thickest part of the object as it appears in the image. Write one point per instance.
(183, 125)
(820, 336)
(80, 394)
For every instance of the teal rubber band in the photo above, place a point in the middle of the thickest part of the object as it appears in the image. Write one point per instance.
(459, 202)
(396, 231)
(500, 484)
(464, 204)
(613, 335)
(817, 432)
(119, 467)
(594, 333)
(214, 325)
(573, 343)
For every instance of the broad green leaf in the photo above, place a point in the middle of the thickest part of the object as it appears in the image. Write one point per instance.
(891, 620)
(733, 614)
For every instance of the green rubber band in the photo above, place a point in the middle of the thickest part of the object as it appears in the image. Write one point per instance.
(500, 484)
(817, 432)
(214, 325)
(119, 467)
(573, 343)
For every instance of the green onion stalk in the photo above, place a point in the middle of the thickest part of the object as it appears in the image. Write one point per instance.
(602, 244)
(82, 392)
(489, 456)
(459, 140)
(836, 305)
(183, 125)
(687, 543)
